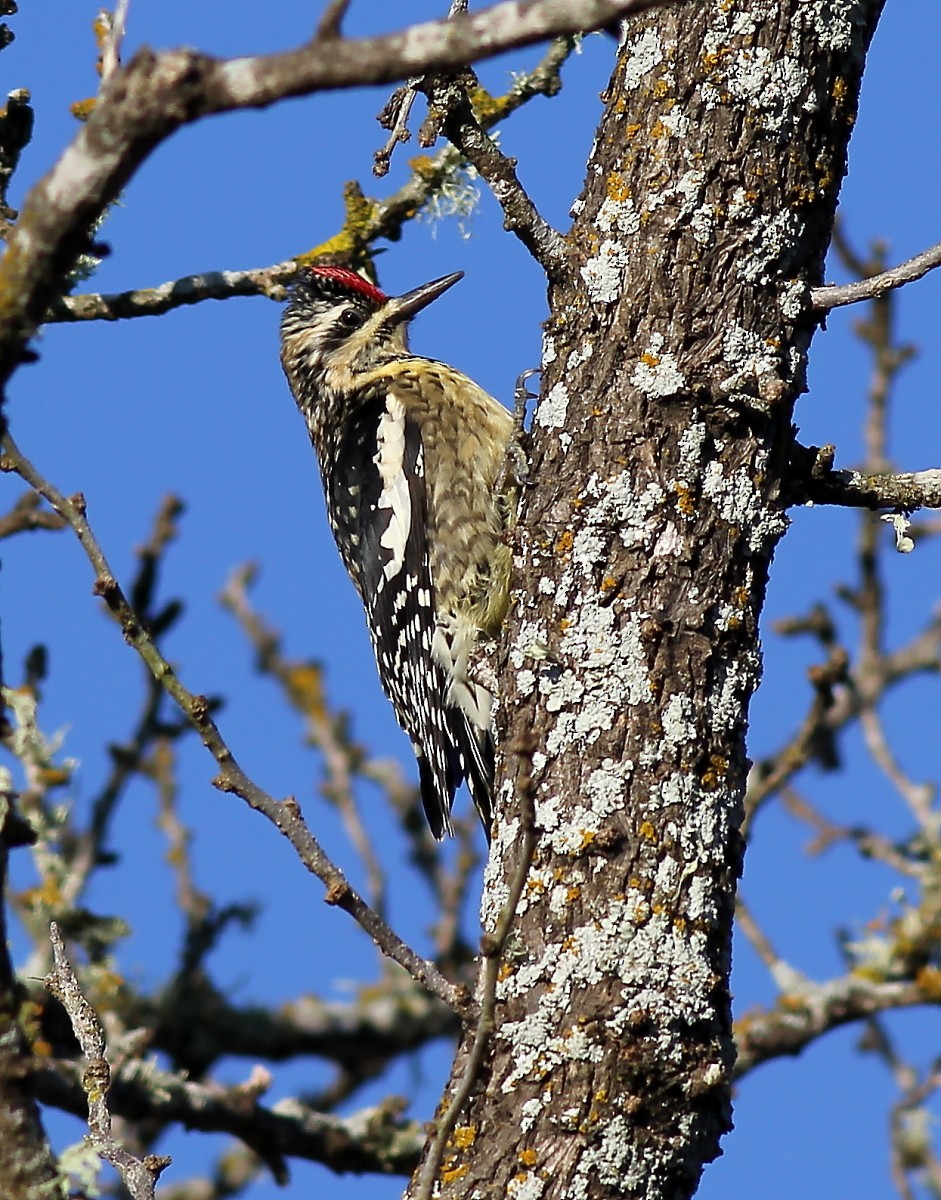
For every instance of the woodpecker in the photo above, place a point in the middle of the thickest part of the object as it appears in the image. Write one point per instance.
(412, 457)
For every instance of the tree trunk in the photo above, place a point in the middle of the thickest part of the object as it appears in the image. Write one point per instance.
(675, 350)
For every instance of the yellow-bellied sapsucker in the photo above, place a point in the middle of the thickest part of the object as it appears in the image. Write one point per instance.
(412, 457)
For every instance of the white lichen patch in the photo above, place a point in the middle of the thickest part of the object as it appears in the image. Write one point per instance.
(741, 203)
(770, 241)
(793, 298)
(604, 272)
(525, 1186)
(610, 1161)
(692, 440)
(548, 349)
(531, 634)
(640, 56)
(618, 217)
(553, 408)
(748, 358)
(833, 21)
(657, 372)
(772, 87)
(677, 721)
(530, 1111)
(675, 122)
(577, 357)
(740, 503)
(734, 682)
(604, 796)
(687, 194)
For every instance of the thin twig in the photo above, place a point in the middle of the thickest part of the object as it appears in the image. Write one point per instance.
(286, 814)
(396, 111)
(330, 24)
(833, 295)
(191, 289)
(27, 515)
(302, 684)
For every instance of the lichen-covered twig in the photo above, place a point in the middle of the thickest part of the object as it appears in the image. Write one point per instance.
(449, 99)
(140, 1175)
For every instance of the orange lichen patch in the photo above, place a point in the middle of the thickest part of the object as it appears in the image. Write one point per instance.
(452, 1176)
(649, 359)
(839, 91)
(658, 129)
(741, 596)
(504, 971)
(928, 980)
(588, 836)
(54, 776)
(565, 543)
(573, 894)
(305, 684)
(792, 1003)
(661, 88)
(647, 831)
(631, 131)
(715, 772)
(48, 894)
(684, 500)
(608, 584)
(617, 189)
(528, 1157)
(83, 109)
(464, 1136)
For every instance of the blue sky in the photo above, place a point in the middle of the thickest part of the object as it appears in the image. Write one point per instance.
(195, 403)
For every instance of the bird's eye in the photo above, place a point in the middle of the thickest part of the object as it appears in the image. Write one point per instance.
(350, 318)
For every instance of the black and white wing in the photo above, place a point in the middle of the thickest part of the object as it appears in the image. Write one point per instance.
(381, 530)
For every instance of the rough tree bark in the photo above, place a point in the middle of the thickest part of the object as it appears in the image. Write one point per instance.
(675, 351)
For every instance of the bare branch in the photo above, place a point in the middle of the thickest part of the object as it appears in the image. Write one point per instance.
(26, 515)
(112, 35)
(157, 94)
(836, 295)
(286, 814)
(330, 23)
(385, 221)
(302, 684)
(191, 289)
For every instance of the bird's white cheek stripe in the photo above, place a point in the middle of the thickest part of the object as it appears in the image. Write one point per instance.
(390, 459)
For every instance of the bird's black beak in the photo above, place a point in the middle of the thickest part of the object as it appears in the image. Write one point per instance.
(403, 308)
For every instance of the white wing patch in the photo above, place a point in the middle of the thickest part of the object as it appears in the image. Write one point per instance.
(390, 459)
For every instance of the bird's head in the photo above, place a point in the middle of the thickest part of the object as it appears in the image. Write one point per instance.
(337, 325)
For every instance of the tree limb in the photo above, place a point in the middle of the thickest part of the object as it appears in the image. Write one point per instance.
(156, 94)
(835, 295)
(805, 1014)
